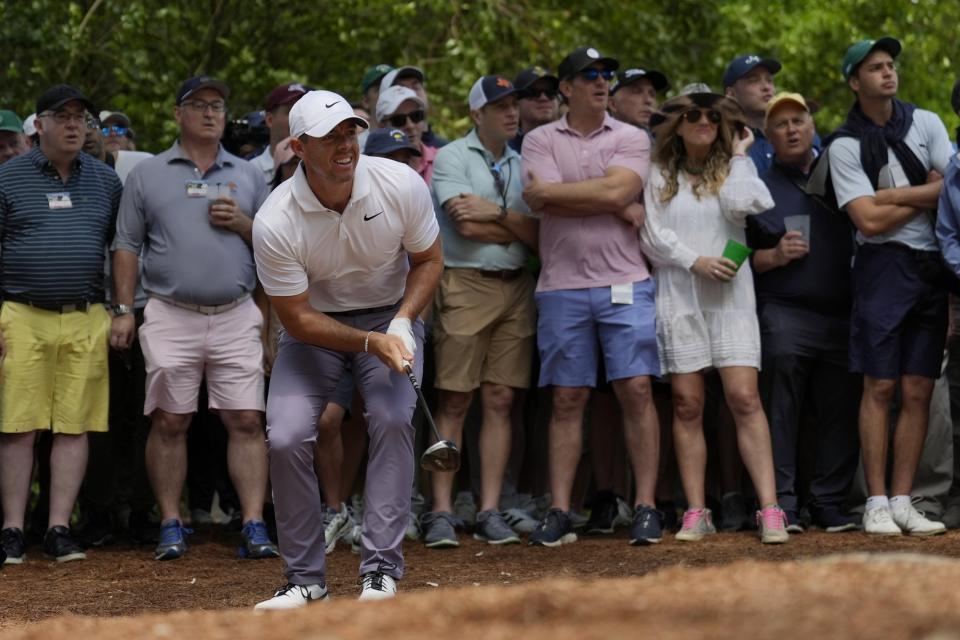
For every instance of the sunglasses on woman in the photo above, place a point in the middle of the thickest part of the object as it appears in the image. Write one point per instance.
(399, 119)
(693, 116)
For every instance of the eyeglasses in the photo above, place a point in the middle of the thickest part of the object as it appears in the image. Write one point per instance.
(592, 74)
(397, 120)
(533, 94)
(63, 117)
(201, 107)
(693, 116)
(114, 130)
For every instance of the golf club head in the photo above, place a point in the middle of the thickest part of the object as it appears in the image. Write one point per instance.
(441, 456)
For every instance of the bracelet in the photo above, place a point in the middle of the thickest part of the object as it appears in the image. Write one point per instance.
(366, 341)
(503, 214)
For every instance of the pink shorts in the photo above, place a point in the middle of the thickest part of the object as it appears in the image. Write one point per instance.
(181, 346)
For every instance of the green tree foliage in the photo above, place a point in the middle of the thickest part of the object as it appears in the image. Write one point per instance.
(131, 55)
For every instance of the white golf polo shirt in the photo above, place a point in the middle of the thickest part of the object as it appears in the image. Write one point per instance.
(357, 260)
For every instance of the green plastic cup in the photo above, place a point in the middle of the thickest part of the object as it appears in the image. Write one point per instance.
(736, 252)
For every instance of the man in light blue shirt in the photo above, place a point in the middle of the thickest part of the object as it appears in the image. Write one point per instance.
(484, 322)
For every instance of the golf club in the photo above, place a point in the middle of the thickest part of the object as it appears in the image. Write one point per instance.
(443, 455)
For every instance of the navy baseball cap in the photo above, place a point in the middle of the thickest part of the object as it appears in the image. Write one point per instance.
(201, 82)
(743, 65)
(531, 74)
(59, 95)
(629, 76)
(490, 89)
(582, 58)
(384, 141)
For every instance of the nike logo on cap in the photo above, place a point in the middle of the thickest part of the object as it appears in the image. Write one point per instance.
(365, 218)
(331, 104)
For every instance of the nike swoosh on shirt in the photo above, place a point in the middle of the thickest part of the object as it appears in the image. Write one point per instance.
(365, 218)
(331, 104)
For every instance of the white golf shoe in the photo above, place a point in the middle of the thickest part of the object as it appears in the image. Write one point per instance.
(914, 523)
(879, 522)
(293, 596)
(377, 586)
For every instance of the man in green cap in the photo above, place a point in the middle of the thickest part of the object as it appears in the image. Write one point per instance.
(881, 160)
(370, 86)
(12, 142)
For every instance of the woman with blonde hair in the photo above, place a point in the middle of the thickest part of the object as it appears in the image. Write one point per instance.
(702, 186)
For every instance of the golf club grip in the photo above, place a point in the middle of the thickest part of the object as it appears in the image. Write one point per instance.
(423, 403)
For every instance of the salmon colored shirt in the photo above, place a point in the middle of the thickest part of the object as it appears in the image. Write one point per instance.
(590, 251)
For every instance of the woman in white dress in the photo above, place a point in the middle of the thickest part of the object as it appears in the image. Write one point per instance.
(702, 186)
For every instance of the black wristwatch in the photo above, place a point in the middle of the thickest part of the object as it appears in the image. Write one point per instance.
(121, 309)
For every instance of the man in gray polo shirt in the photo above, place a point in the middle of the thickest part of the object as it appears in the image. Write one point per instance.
(190, 210)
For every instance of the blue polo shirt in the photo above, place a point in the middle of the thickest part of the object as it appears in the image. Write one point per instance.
(820, 281)
(53, 234)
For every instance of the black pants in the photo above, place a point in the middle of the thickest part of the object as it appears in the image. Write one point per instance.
(805, 381)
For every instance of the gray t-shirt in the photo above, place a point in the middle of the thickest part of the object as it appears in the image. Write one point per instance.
(929, 140)
(165, 212)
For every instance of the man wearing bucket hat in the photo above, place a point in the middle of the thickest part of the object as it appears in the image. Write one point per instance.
(879, 161)
(800, 246)
(348, 251)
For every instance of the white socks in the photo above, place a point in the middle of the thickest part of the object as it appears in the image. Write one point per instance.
(899, 504)
(896, 503)
(876, 502)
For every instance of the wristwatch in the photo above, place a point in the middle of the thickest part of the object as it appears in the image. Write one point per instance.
(121, 309)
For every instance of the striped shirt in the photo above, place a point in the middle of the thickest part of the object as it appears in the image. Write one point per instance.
(52, 233)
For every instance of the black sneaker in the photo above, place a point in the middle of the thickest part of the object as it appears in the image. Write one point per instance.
(98, 529)
(14, 546)
(554, 530)
(60, 543)
(647, 526)
(605, 514)
(832, 520)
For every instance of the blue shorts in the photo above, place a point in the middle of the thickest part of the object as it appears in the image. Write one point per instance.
(899, 321)
(572, 323)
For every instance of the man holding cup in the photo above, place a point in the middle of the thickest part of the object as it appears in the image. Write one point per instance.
(803, 303)
(190, 209)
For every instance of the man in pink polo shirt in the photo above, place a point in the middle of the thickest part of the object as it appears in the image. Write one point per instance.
(584, 174)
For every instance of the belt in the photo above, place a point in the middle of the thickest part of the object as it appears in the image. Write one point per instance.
(206, 309)
(362, 312)
(66, 307)
(506, 275)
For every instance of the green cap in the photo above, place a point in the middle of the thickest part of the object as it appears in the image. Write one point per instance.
(9, 121)
(857, 52)
(374, 74)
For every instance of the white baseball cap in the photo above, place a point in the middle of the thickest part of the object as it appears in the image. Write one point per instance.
(29, 124)
(392, 97)
(318, 112)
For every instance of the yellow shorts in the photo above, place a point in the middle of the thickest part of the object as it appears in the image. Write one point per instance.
(55, 374)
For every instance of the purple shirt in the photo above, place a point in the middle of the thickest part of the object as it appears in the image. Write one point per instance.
(589, 251)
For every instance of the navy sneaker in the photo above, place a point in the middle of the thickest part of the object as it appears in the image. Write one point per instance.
(555, 529)
(647, 526)
(173, 540)
(439, 530)
(832, 520)
(793, 522)
(14, 546)
(60, 543)
(256, 541)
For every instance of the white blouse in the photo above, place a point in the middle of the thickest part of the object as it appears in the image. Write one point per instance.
(703, 323)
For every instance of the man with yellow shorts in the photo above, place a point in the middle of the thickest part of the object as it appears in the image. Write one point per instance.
(58, 208)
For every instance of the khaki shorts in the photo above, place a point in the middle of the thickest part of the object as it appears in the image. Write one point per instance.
(54, 376)
(484, 330)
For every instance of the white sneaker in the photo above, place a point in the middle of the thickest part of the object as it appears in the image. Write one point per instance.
(879, 522)
(293, 596)
(336, 524)
(377, 586)
(914, 523)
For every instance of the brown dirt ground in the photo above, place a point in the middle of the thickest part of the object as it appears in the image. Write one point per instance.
(727, 586)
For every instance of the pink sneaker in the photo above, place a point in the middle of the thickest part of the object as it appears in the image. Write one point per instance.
(772, 523)
(696, 524)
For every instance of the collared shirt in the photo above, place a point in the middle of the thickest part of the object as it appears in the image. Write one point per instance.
(426, 162)
(52, 233)
(948, 218)
(929, 141)
(264, 162)
(819, 281)
(354, 260)
(761, 151)
(166, 212)
(465, 166)
(587, 251)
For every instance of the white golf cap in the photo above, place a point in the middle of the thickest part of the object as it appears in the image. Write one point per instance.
(392, 97)
(318, 112)
(29, 124)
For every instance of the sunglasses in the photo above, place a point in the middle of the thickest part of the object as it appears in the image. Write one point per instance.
(693, 116)
(399, 119)
(592, 74)
(533, 94)
(114, 130)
